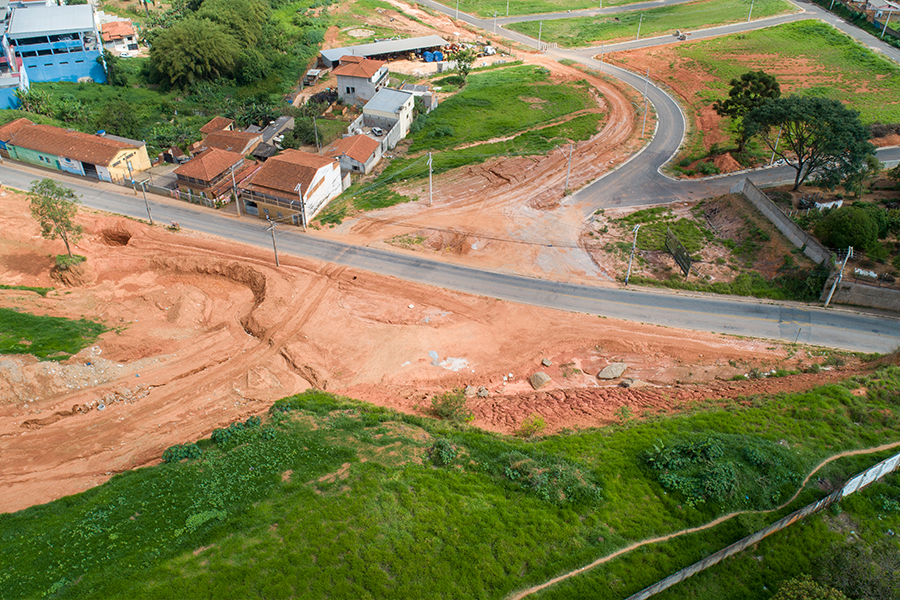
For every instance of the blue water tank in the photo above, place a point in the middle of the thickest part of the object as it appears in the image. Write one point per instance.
(438, 56)
(428, 56)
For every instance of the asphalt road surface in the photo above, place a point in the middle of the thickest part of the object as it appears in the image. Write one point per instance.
(839, 328)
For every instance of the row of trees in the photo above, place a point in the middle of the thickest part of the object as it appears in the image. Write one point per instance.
(817, 136)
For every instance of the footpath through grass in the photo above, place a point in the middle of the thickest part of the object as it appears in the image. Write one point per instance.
(331, 497)
(587, 31)
(48, 338)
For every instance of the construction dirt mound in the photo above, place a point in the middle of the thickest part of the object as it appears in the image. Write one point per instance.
(204, 331)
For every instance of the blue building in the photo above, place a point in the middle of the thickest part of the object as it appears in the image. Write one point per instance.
(57, 43)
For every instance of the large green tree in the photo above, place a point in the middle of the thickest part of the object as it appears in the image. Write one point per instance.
(464, 58)
(848, 226)
(54, 206)
(193, 50)
(751, 90)
(814, 135)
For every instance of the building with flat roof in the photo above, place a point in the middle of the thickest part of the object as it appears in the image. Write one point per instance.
(57, 43)
(383, 50)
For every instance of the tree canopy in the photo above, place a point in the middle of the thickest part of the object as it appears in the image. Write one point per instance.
(465, 58)
(54, 206)
(814, 135)
(751, 90)
(804, 588)
(193, 50)
(848, 226)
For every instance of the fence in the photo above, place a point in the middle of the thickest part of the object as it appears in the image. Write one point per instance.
(859, 482)
(861, 294)
(807, 243)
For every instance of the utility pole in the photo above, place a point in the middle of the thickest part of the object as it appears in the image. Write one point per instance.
(316, 129)
(237, 202)
(840, 275)
(540, 29)
(429, 179)
(147, 204)
(832, 5)
(131, 176)
(639, 27)
(568, 168)
(271, 229)
(507, 8)
(751, 11)
(601, 57)
(495, 22)
(646, 84)
(299, 190)
(775, 149)
(633, 244)
(457, 10)
(886, 21)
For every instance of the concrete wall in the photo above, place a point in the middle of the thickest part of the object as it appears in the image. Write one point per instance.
(65, 67)
(861, 294)
(810, 245)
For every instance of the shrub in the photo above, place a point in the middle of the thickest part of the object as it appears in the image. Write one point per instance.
(442, 452)
(64, 261)
(848, 226)
(451, 406)
(181, 452)
(553, 480)
(531, 426)
(706, 168)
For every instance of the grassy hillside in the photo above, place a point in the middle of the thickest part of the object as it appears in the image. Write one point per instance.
(331, 497)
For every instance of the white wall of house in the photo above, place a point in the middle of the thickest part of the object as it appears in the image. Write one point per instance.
(359, 90)
(325, 186)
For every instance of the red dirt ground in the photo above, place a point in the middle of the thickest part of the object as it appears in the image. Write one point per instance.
(208, 331)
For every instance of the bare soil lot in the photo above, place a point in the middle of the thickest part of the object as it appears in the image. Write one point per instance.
(207, 331)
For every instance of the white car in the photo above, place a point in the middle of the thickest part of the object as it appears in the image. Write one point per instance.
(125, 55)
(378, 131)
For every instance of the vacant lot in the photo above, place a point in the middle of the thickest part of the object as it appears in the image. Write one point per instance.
(587, 31)
(487, 8)
(52, 338)
(807, 57)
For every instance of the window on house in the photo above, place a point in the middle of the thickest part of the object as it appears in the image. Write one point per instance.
(355, 168)
(46, 52)
(280, 216)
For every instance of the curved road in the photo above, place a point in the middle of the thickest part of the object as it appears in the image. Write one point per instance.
(637, 182)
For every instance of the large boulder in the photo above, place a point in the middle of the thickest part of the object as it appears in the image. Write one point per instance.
(612, 371)
(539, 380)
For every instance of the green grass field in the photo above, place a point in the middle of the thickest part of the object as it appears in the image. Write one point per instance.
(808, 58)
(48, 338)
(487, 8)
(588, 31)
(330, 497)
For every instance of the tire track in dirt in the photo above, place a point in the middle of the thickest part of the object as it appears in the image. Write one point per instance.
(713, 523)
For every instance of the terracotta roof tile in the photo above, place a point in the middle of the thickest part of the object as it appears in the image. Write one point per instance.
(116, 30)
(364, 68)
(282, 173)
(210, 164)
(217, 124)
(69, 144)
(357, 147)
(13, 127)
(233, 141)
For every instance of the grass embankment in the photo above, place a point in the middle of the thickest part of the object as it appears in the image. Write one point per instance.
(48, 338)
(519, 103)
(586, 31)
(487, 8)
(334, 497)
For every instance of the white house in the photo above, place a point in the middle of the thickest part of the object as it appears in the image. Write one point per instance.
(391, 110)
(292, 186)
(357, 153)
(359, 79)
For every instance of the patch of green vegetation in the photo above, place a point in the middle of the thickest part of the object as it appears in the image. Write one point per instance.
(585, 31)
(860, 78)
(803, 285)
(655, 222)
(326, 489)
(47, 338)
(488, 8)
(27, 288)
(498, 103)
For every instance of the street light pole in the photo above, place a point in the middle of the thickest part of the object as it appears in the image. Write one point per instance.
(237, 202)
(457, 10)
(840, 275)
(271, 229)
(639, 27)
(886, 21)
(633, 244)
(495, 22)
(568, 168)
(601, 57)
(751, 11)
(147, 204)
(540, 29)
(131, 176)
(507, 8)
(429, 179)
(299, 190)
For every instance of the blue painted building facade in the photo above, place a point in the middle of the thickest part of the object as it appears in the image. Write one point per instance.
(57, 43)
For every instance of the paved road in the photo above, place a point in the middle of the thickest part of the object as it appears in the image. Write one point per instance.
(835, 328)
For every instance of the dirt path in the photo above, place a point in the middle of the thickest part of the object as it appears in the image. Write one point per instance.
(713, 523)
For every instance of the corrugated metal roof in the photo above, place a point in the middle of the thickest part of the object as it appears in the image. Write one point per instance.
(387, 100)
(50, 20)
(390, 46)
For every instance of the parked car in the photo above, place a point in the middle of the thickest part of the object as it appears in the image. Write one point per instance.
(125, 55)
(378, 131)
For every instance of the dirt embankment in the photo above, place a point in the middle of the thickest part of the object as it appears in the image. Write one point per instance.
(204, 332)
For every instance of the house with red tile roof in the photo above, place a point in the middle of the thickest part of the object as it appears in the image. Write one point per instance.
(106, 157)
(292, 186)
(359, 79)
(243, 142)
(217, 124)
(119, 36)
(213, 174)
(357, 154)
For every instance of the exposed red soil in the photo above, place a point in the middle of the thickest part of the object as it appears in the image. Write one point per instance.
(209, 331)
